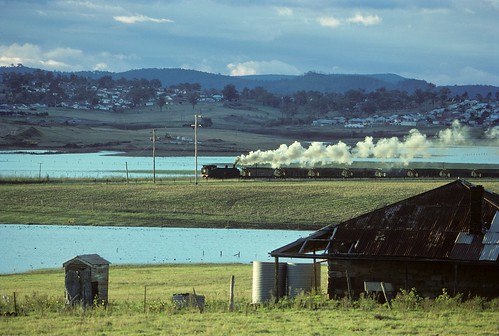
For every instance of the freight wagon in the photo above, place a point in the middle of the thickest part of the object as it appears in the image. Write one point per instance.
(224, 171)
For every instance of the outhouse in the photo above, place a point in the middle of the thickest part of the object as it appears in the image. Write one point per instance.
(86, 280)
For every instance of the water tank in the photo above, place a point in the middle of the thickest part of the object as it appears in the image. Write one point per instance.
(264, 281)
(303, 278)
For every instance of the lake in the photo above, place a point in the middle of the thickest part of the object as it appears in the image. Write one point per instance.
(44, 164)
(96, 165)
(30, 247)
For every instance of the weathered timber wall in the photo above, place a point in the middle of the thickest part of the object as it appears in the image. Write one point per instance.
(428, 278)
(100, 274)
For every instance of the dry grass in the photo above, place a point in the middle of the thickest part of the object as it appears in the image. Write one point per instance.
(42, 293)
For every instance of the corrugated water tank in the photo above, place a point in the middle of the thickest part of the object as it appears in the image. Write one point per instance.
(264, 281)
(303, 278)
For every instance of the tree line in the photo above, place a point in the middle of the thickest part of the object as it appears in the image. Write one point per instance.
(352, 103)
(46, 87)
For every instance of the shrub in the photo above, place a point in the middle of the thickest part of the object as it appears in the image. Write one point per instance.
(40, 303)
(409, 300)
(445, 301)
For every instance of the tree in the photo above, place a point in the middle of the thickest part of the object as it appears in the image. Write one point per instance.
(230, 93)
(288, 107)
(444, 94)
(106, 82)
(161, 102)
(419, 97)
(193, 98)
(155, 83)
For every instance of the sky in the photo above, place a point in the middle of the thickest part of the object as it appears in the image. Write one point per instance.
(446, 42)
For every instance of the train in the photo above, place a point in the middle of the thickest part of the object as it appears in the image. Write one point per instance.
(230, 171)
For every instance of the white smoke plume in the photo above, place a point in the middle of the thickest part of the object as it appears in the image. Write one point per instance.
(415, 144)
(456, 135)
(316, 153)
(493, 134)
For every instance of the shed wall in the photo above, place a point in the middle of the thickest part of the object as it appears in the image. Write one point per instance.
(88, 282)
(428, 278)
(100, 274)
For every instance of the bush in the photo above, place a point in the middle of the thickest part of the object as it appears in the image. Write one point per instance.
(40, 303)
(445, 301)
(409, 300)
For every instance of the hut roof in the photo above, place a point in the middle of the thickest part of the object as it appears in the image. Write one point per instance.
(452, 222)
(87, 259)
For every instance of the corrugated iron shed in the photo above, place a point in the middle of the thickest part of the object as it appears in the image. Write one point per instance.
(439, 224)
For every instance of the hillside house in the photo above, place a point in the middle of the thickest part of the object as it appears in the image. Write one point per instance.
(447, 238)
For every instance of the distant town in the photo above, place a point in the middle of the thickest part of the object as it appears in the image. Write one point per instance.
(22, 94)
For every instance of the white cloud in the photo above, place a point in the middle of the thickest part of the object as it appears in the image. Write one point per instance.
(494, 4)
(132, 19)
(284, 11)
(100, 67)
(262, 67)
(27, 54)
(53, 64)
(64, 59)
(472, 75)
(64, 53)
(368, 20)
(329, 22)
(465, 76)
(203, 65)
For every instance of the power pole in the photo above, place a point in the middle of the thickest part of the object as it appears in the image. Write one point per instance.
(153, 155)
(196, 148)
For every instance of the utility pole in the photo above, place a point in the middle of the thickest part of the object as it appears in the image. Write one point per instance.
(196, 148)
(153, 155)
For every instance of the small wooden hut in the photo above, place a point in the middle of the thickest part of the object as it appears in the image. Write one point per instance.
(86, 280)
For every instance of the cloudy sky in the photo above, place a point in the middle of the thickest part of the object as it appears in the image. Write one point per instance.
(441, 41)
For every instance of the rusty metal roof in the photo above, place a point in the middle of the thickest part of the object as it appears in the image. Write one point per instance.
(432, 225)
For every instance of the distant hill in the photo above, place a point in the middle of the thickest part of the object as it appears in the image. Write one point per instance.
(472, 90)
(278, 84)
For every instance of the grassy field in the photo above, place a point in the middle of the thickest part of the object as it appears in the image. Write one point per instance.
(40, 303)
(235, 131)
(242, 204)
(247, 204)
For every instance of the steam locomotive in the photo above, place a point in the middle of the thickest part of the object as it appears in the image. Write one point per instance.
(228, 171)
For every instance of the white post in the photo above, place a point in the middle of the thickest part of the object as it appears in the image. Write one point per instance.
(126, 168)
(195, 149)
(154, 156)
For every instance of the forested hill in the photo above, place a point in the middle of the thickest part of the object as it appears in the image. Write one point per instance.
(277, 84)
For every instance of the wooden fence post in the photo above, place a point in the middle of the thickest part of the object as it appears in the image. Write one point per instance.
(15, 304)
(145, 297)
(388, 301)
(231, 301)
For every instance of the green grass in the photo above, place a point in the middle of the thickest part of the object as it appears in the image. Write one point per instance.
(242, 204)
(40, 300)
